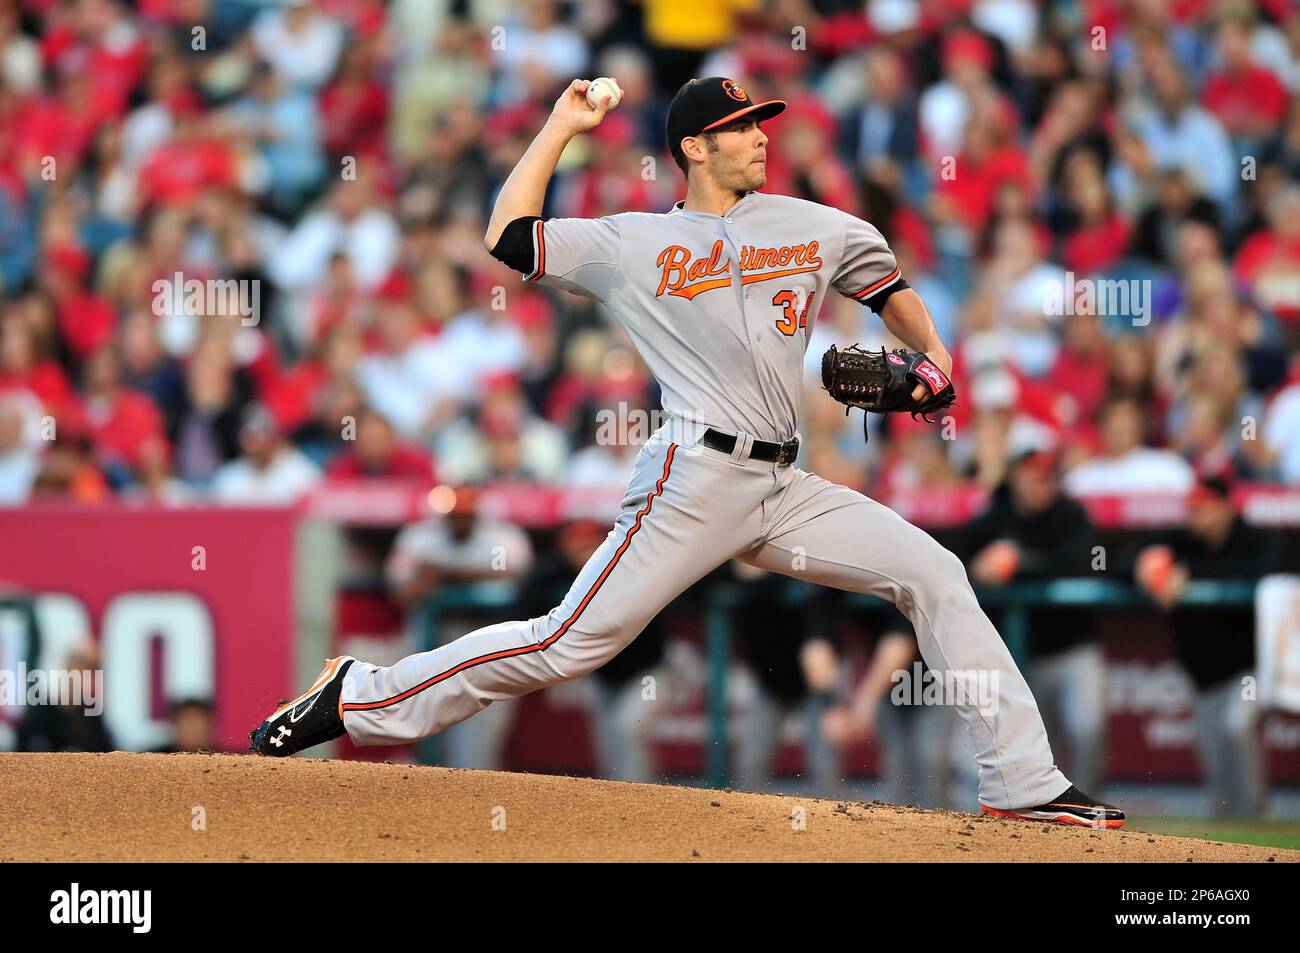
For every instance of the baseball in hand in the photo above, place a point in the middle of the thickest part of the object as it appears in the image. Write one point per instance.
(601, 87)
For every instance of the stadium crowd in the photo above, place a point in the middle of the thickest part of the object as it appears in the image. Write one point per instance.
(338, 158)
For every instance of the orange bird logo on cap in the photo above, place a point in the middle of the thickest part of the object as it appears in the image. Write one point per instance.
(734, 90)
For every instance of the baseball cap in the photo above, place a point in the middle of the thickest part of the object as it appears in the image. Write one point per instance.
(1210, 489)
(1038, 460)
(704, 104)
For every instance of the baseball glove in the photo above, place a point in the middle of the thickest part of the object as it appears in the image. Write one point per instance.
(882, 382)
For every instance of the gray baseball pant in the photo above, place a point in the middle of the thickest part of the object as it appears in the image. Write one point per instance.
(688, 509)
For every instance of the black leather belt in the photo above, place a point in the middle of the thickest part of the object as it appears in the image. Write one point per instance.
(764, 450)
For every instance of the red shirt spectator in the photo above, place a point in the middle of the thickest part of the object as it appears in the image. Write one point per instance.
(1247, 101)
(292, 398)
(122, 426)
(121, 422)
(974, 189)
(86, 322)
(1268, 264)
(354, 109)
(45, 380)
(180, 170)
(1098, 245)
(377, 455)
(22, 367)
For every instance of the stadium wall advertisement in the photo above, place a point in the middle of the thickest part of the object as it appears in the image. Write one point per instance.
(183, 603)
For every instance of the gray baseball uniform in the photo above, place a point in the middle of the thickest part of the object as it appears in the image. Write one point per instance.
(721, 308)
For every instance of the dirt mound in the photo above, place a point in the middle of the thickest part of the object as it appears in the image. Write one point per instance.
(132, 807)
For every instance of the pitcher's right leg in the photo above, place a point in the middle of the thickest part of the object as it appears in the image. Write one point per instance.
(661, 544)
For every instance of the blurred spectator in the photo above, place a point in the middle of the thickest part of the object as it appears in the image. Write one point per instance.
(946, 108)
(1216, 644)
(1174, 132)
(120, 421)
(1017, 282)
(483, 341)
(68, 468)
(69, 725)
(351, 221)
(1081, 375)
(146, 367)
(267, 471)
(334, 417)
(414, 381)
(505, 440)
(433, 86)
(1100, 236)
(300, 42)
(683, 33)
(1246, 98)
(460, 545)
(1124, 464)
(283, 124)
(191, 160)
(989, 162)
(1269, 261)
(543, 50)
(23, 366)
(881, 134)
(156, 481)
(354, 107)
(1158, 234)
(916, 459)
(193, 727)
(378, 454)
(205, 431)
(20, 56)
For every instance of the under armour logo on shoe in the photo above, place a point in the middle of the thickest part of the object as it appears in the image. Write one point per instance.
(278, 740)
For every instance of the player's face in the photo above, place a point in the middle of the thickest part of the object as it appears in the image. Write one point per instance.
(740, 161)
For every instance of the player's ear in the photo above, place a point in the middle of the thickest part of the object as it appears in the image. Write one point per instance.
(693, 148)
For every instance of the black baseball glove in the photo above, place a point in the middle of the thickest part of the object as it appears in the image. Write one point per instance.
(882, 381)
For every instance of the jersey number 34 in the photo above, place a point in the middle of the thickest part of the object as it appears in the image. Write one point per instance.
(791, 318)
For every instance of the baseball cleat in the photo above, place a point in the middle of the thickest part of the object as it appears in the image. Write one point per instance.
(1072, 807)
(312, 718)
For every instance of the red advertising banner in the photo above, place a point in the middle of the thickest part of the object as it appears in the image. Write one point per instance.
(183, 603)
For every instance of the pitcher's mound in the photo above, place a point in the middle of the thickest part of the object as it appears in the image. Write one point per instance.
(136, 807)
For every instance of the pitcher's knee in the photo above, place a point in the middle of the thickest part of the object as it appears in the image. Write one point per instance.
(939, 575)
(579, 649)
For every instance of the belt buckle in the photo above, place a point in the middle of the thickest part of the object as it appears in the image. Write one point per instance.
(788, 451)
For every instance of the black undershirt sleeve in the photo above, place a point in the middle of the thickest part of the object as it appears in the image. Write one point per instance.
(515, 246)
(877, 300)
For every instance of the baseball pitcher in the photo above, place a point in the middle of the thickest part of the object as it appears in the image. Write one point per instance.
(719, 295)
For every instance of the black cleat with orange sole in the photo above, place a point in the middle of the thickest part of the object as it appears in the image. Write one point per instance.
(1072, 807)
(312, 718)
